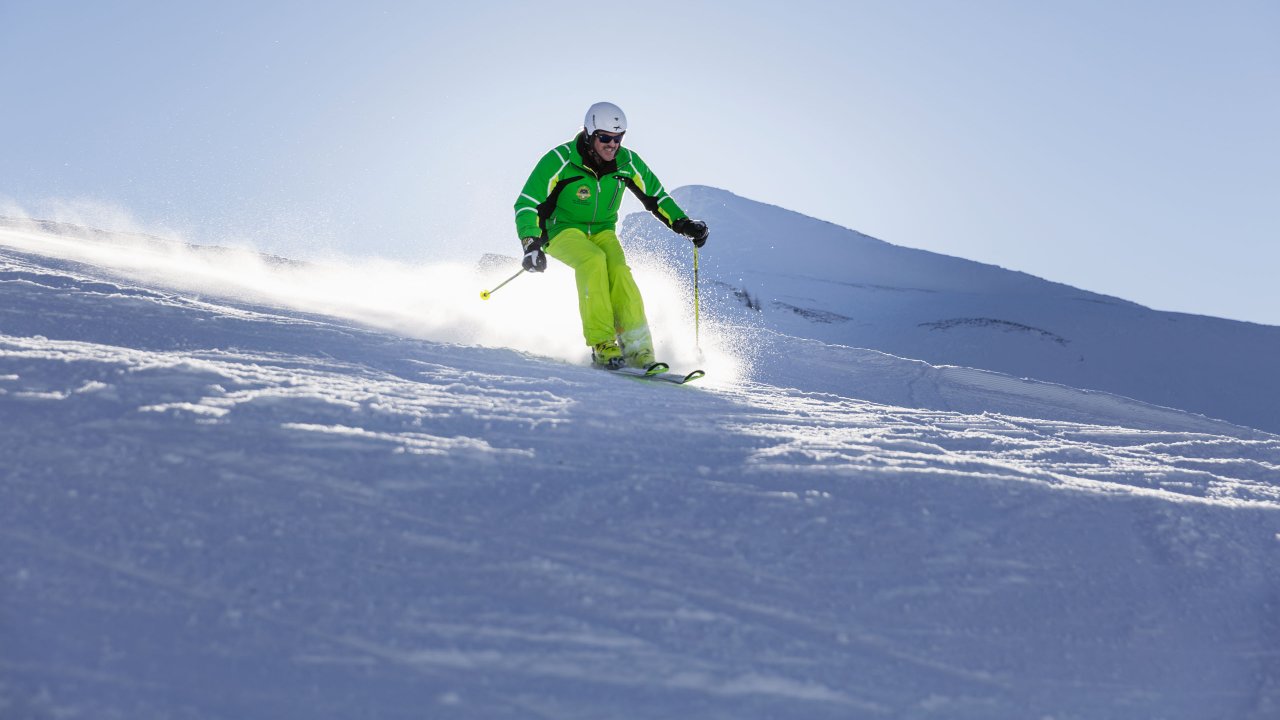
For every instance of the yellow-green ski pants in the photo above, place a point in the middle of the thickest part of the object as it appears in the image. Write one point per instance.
(608, 298)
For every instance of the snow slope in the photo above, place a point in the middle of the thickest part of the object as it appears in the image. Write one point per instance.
(228, 493)
(817, 280)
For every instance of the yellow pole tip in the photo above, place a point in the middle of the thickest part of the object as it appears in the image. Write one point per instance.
(484, 294)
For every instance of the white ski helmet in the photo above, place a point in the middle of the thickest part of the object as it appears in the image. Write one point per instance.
(605, 116)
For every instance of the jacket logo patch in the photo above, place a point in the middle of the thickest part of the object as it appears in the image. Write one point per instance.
(584, 192)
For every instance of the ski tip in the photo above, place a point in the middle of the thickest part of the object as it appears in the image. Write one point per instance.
(694, 375)
(656, 368)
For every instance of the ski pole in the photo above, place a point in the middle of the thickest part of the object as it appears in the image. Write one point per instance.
(484, 294)
(697, 342)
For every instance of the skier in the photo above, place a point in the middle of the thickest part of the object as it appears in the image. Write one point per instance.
(569, 210)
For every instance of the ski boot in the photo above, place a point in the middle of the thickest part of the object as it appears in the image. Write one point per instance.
(643, 359)
(607, 355)
(640, 358)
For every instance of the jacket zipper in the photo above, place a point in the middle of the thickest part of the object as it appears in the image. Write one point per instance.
(616, 189)
(595, 213)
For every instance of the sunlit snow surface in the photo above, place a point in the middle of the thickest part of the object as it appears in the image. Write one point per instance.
(274, 495)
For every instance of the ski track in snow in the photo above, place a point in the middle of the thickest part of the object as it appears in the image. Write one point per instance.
(212, 511)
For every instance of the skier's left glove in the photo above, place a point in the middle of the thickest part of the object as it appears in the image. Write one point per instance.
(695, 230)
(534, 259)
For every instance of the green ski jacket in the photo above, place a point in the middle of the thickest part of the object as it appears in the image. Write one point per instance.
(565, 191)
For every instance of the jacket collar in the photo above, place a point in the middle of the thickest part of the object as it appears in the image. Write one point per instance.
(588, 159)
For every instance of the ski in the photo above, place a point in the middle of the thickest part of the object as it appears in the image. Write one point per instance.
(659, 371)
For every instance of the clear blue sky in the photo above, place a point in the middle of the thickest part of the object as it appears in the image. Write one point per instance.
(1130, 148)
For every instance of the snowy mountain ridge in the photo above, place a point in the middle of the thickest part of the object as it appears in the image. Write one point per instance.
(241, 489)
(817, 280)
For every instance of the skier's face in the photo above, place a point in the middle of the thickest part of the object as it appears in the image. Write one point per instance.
(606, 150)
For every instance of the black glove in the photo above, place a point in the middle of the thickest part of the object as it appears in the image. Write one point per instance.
(534, 259)
(695, 230)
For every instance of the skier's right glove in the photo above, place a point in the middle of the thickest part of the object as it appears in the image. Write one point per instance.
(534, 259)
(695, 230)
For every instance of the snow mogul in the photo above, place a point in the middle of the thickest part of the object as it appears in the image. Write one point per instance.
(569, 210)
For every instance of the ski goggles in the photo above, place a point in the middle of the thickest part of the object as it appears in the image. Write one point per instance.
(609, 139)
